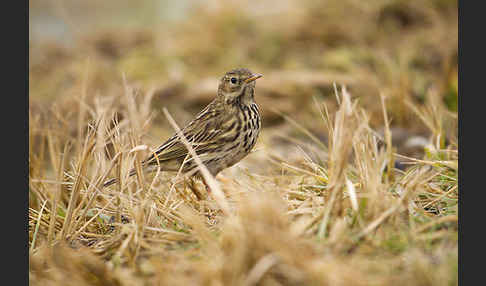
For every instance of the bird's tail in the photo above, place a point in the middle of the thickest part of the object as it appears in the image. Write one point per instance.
(115, 180)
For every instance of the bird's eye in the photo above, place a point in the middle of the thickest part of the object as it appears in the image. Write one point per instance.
(233, 80)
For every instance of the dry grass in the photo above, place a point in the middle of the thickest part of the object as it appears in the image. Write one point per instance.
(319, 202)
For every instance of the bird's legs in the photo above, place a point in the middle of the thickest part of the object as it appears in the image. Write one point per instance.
(194, 189)
(208, 189)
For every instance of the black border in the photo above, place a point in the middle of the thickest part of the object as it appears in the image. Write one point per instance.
(471, 145)
(15, 150)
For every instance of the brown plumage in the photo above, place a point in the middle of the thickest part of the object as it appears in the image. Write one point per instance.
(222, 134)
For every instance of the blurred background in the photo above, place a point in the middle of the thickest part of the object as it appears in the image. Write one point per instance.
(406, 50)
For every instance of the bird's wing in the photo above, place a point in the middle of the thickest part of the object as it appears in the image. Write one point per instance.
(202, 133)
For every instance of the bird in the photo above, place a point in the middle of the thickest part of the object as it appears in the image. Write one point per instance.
(221, 134)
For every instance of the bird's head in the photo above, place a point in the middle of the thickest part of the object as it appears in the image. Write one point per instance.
(238, 85)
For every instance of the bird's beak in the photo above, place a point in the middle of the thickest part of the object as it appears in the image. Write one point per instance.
(253, 77)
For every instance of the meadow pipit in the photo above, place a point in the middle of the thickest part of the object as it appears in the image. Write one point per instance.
(222, 134)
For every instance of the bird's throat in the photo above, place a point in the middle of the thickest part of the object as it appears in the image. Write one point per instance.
(240, 97)
(247, 95)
